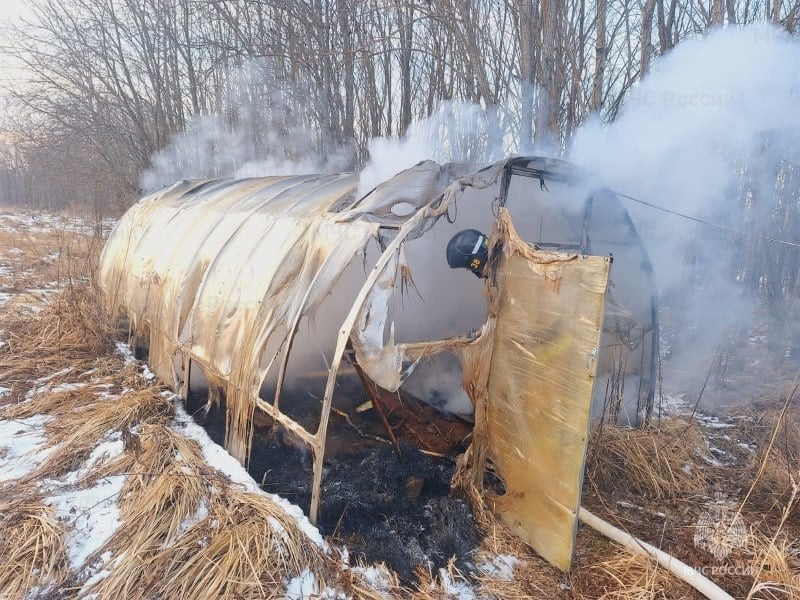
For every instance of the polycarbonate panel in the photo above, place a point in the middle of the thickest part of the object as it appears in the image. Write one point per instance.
(549, 309)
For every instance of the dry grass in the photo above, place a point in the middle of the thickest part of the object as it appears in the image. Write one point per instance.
(41, 257)
(444, 585)
(188, 532)
(529, 580)
(533, 577)
(83, 418)
(776, 558)
(246, 547)
(70, 332)
(780, 460)
(627, 576)
(655, 462)
(31, 546)
(150, 452)
(775, 568)
(383, 584)
(55, 320)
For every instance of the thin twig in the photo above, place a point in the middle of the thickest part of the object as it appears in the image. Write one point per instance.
(763, 465)
(357, 429)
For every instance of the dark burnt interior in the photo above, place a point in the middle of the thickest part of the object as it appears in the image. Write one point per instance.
(385, 501)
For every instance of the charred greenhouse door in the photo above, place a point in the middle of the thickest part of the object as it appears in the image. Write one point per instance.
(549, 312)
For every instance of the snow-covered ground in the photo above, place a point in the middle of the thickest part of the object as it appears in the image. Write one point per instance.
(92, 514)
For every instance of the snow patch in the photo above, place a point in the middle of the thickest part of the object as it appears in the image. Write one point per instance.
(147, 373)
(46, 378)
(713, 422)
(499, 567)
(124, 350)
(673, 404)
(110, 447)
(377, 577)
(91, 516)
(191, 520)
(24, 440)
(306, 587)
(303, 586)
(456, 587)
(48, 389)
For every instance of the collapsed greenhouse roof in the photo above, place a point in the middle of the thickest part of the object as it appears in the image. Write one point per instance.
(258, 281)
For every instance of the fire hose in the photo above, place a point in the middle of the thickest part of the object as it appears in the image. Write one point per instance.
(677, 567)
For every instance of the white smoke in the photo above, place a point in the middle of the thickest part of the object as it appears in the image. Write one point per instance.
(705, 104)
(716, 113)
(456, 132)
(260, 134)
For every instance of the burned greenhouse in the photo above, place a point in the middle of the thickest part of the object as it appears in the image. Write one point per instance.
(276, 287)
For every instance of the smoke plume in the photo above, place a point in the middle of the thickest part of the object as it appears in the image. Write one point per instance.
(456, 132)
(710, 133)
(261, 133)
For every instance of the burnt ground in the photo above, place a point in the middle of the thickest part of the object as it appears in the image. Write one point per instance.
(383, 506)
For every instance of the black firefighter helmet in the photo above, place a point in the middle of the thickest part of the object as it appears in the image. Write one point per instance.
(468, 249)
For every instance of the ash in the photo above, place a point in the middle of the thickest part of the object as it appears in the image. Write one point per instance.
(383, 508)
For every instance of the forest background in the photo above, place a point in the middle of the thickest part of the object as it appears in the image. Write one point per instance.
(692, 105)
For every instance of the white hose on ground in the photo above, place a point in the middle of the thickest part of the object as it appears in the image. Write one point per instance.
(678, 568)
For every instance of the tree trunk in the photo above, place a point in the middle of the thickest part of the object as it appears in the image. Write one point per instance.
(646, 37)
(526, 26)
(546, 130)
(405, 23)
(600, 57)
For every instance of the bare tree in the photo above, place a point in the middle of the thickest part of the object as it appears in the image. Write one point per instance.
(120, 78)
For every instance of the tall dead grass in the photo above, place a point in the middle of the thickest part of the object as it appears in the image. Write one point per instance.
(51, 255)
(628, 576)
(246, 547)
(775, 568)
(776, 463)
(188, 532)
(83, 418)
(32, 547)
(70, 332)
(67, 327)
(776, 557)
(656, 462)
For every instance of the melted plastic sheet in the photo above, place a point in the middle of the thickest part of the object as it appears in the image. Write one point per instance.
(220, 273)
(548, 311)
